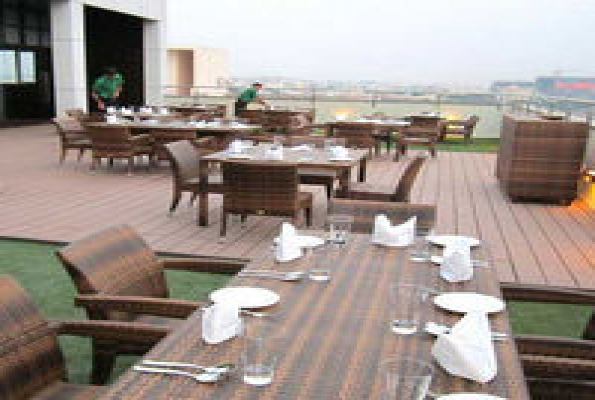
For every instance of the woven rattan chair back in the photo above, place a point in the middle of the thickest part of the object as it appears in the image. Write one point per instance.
(357, 135)
(162, 138)
(67, 125)
(184, 159)
(111, 141)
(114, 261)
(403, 189)
(364, 212)
(30, 357)
(260, 188)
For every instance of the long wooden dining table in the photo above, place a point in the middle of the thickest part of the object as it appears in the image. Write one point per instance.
(336, 334)
(316, 158)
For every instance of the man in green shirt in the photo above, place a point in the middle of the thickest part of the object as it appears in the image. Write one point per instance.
(247, 96)
(107, 89)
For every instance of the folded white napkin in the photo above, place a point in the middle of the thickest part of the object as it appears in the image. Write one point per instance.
(274, 153)
(111, 110)
(111, 119)
(146, 110)
(236, 146)
(456, 264)
(163, 111)
(395, 236)
(468, 350)
(339, 152)
(125, 111)
(221, 322)
(303, 147)
(288, 245)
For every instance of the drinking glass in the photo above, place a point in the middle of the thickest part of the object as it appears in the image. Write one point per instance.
(278, 141)
(259, 357)
(320, 270)
(406, 302)
(328, 143)
(339, 226)
(419, 251)
(405, 378)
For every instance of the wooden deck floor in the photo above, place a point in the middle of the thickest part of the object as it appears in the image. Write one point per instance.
(39, 199)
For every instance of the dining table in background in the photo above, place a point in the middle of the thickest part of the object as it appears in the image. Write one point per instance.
(317, 158)
(336, 334)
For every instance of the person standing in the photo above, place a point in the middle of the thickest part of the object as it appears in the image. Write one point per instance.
(248, 95)
(107, 89)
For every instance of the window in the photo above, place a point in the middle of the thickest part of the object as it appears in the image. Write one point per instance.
(27, 67)
(8, 66)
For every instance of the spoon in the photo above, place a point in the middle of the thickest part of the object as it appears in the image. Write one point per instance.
(216, 369)
(437, 329)
(204, 377)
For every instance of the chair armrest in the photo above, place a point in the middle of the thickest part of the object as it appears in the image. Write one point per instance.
(112, 330)
(556, 347)
(142, 138)
(138, 305)
(546, 294)
(216, 265)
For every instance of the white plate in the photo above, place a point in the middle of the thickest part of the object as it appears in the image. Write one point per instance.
(464, 302)
(445, 240)
(245, 297)
(470, 396)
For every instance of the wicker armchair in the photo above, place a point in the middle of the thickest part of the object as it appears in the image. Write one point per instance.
(358, 135)
(460, 128)
(72, 136)
(399, 193)
(31, 362)
(423, 131)
(161, 138)
(556, 368)
(266, 188)
(364, 213)
(185, 162)
(119, 278)
(117, 142)
(316, 176)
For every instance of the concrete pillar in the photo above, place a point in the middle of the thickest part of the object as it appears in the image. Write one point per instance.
(68, 53)
(155, 52)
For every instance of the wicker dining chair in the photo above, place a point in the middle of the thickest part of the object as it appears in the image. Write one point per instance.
(72, 136)
(364, 213)
(358, 135)
(161, 138)
(312, 175)
(31, 362)
(378, 192)
(423, 131)
(184, 158)
(555, 367)
(117, 143)
(459, 128)
(263, 188)
(119, 278)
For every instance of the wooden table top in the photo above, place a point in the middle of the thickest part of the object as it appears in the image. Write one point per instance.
(179, 125)
(336, 334)
(315, 157)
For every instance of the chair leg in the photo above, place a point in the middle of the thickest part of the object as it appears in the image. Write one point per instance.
(94, 163)
(223, 224)
(62, 154)
(308, 214)
(111, 162)
(177, 195)
(329, 190)
(432, 150)
(193, 197)
(130, 165)
(81, 152)
(103, 363)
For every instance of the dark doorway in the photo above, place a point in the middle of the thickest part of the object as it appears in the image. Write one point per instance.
(115, 40)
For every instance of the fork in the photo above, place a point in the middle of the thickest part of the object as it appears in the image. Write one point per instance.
(205, 377)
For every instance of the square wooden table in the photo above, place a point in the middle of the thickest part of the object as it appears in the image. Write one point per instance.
(317, 158)
(336, 334)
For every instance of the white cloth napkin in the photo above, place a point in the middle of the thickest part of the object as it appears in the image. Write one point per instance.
(339, 152)
(125, 111)
(111, 119)
(468, 350)
(236, 146)
(146, 110)
(303, 147)
(456, 264)
(394, 236)
(163, 111)
(111, 110)
(221, 322)
(274, 153)
(288, 246)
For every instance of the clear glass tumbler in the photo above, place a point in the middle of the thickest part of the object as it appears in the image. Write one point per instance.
(405, 378)
(406, 302)
(339, 227)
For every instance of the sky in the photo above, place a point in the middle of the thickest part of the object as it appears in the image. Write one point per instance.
(462, 42)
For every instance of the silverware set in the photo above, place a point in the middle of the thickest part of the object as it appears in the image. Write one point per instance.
(290, 276)
(204, 374)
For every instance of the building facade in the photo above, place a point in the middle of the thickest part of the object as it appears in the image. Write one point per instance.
(51, 51)
(203, 69)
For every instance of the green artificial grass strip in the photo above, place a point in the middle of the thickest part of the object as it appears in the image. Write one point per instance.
(37, 269)
(477, 145)
(549, 319)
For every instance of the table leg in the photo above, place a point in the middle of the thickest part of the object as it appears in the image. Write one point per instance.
(344, 179)
(203, 194)
(363, 164)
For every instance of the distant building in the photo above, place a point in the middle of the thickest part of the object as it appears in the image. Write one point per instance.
(575, 87)
(204, 67)
(513, 87)
(51, 52)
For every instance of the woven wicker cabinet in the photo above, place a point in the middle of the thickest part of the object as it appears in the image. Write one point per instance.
(541, 159)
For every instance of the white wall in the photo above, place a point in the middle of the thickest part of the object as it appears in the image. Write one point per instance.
(68, 48)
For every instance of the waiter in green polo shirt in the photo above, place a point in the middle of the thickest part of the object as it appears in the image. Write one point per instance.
(107, 89)
(249, 95)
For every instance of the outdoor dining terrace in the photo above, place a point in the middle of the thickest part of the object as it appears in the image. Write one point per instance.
(333, 330)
